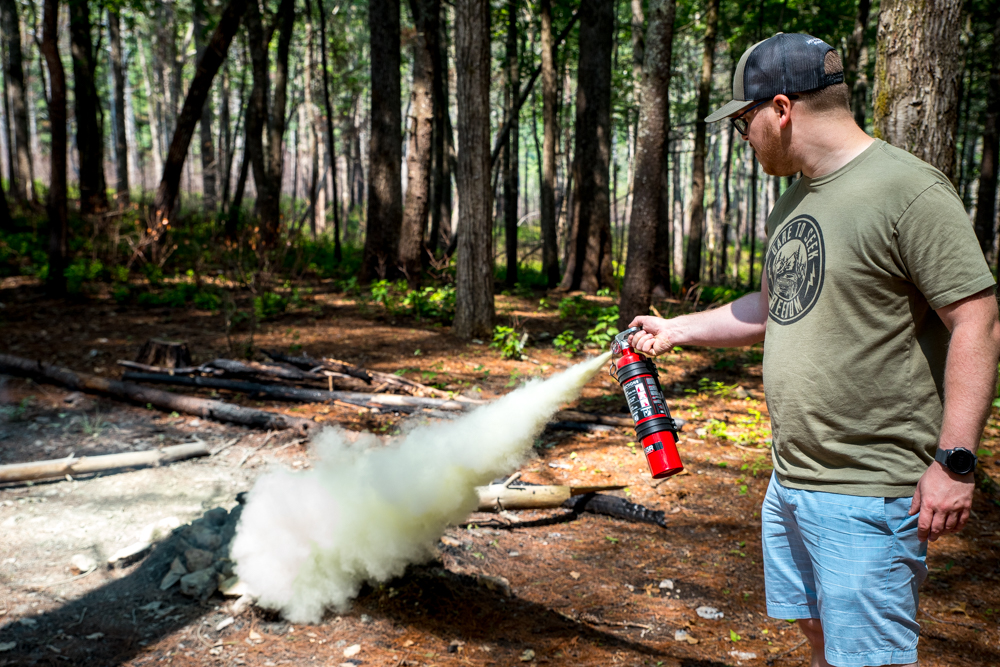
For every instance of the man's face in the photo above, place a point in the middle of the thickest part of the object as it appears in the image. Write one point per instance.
(766, 138)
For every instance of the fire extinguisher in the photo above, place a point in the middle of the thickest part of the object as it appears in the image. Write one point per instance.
(654, 427)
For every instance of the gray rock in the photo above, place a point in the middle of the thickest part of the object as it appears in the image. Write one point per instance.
(199, 584)
(216, 517)
(130, 554)
(225, 567)
(177, 570)
(197, 559)
(203, 537)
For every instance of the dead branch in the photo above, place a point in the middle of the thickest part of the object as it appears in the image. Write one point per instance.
(163, 400)
(22, 472)
(771, 661)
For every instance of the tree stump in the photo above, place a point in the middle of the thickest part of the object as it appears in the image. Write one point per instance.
(165, 354)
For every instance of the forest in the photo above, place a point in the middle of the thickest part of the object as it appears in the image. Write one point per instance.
(242, 238)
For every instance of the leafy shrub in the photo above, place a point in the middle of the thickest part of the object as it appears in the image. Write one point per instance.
(506, 340)
(268, 305)
(568, 343)
(605, 329)
(81, 271)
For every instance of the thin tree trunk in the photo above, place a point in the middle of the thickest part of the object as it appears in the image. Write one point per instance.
(56, 282)
(654, 127)
(201, 85)
(385, 150)
(233, 221)
(89, 141)
(474, 299)
(208, 164)
(986, 198)
(118, 76)
(419, 152)
(22, 165)
(440, 171)
(752, 222)
(917, 78)
(331, 139)
(550, 133)
(225, 139)
(726, 217)
(692, 259)
(510, 185)
(592, 268)
(155, 125)
(856, 81)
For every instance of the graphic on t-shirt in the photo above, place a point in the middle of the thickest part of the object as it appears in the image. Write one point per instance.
(796, 259)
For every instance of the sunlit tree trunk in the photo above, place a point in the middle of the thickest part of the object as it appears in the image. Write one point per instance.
(118, 76)
(654, 125)
(917, 78)
(550, 132)
(89, 133)
(331, 140)
(56, 282)
(22, 167)
(474, 300)
(692, 259)
(510, 184)
(208, 164)
(441, 167)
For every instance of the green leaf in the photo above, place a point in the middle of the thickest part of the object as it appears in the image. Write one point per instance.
(611, 539)
(984, 452)
(733, 637)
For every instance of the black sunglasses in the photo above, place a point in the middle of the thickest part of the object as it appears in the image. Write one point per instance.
(742, 125)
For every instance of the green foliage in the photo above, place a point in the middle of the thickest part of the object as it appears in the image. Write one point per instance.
(576, 307)
(425, 303)
(269, 305)
(509, 342)
(601, 334)
(567, 343)
(80, 271)
(15, 413)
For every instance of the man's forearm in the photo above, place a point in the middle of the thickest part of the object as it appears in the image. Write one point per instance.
(735, 324)
(970, 382)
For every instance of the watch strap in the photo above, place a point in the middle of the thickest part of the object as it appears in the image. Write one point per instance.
(941, 456)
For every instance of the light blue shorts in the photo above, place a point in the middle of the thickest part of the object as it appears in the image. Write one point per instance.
(854, 562)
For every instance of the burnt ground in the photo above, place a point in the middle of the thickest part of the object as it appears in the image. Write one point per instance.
(585, 591)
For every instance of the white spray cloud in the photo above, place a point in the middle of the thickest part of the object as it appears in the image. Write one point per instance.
(309, 540)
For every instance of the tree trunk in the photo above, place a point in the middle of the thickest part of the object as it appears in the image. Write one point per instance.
(550, 132)
(857, 84)
(225, 140)
(986, 198)
(419, 152)
(692, 259)
(654, 126)
(201, 85)
(89, 141)
(22, 164)
(385, 149)
(474, 299)
(726, 216)
(441, 171)
(510, 184)
(208, 164)
(118, 76)
(591, 266)
(56, 283)
(331, 139)
(917, 77)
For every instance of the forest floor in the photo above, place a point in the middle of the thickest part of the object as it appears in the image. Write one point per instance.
(591, 591)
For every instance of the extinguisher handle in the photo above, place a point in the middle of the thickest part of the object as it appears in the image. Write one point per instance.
(621, 340)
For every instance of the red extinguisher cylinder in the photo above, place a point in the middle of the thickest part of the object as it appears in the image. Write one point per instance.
(654, 427)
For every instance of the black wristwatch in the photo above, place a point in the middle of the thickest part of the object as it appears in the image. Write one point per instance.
(959, 460)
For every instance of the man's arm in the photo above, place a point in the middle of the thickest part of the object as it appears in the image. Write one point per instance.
(942, 497)
(735, 324)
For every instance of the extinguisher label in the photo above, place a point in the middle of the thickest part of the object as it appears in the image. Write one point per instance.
(644, 398)
(655, 447)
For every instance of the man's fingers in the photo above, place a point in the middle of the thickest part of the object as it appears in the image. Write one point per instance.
(951, 521)
(937, 525)
(963, 519)
(915, 504)
(924, 523)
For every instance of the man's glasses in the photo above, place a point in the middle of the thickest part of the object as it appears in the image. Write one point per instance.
(742, 125)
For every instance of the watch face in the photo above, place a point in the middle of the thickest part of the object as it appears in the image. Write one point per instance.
(961, 461)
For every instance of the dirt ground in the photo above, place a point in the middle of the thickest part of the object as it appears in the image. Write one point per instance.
(588, 591)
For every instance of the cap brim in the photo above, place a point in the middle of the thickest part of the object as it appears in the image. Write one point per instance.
(728, 110)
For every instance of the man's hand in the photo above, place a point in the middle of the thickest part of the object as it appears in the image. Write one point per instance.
(943, 500)
(653, 340)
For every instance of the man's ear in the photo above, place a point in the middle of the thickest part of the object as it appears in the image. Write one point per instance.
(782, 109)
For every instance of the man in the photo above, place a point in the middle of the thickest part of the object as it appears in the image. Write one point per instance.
(880, 357)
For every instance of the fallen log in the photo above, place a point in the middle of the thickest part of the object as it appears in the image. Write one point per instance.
(23, 472)
(183, 370)
(307, 363)
(164, 400)
(395, 401)
(506, 496)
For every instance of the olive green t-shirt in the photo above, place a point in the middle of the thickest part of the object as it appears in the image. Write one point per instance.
(857, 262)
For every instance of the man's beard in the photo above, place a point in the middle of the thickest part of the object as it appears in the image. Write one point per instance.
(772, 155)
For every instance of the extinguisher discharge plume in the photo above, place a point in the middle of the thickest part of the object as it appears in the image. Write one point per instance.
(308, 540)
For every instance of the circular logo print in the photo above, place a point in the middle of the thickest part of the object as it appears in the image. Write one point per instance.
(795, 264)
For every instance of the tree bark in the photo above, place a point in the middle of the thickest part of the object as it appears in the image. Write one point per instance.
(550, 132)
(474, 298)
(419, 152)
(986, 198)
(441, 171)
(225, 140)
(856, 82)
(201, 85)
(56, 282)
(89, 131)
(208, 164)
(692, 259)
(330, 138)
(917, 74)
(118, 76)
(510, 184)
(22, 169)
(385, 149)
(654, 126)
(590, 268)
